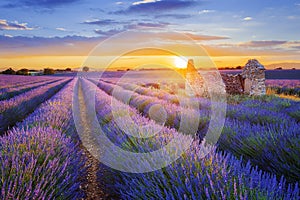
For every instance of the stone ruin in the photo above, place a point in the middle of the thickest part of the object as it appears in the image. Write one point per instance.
(254, 78)
(195, 83)
(251, 81)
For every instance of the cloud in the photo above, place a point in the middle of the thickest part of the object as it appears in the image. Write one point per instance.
(296, 47)
(267, 46)
(7, 35)
(205, 37)
(147, 25)
(36, 3)
(292, 44)
(61, 29)
(170, 37)
(157, 35)
(6, 25)
(153, 6)
(292, 17)
(108, 33)
(119, 3)
(247, 18)
(102, 22)
(175, 16)
(78, 45)
(21, 41)
(263, 43)
(144, 1)
(128, 26)
(97, 10)
(206, 11)
(48, 46)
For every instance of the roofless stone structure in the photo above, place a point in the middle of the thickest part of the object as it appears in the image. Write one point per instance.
(251, 81)
(254, 78)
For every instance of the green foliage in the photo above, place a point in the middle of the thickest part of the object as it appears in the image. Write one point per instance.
(9, 71)
(49, 71)
(23, 71)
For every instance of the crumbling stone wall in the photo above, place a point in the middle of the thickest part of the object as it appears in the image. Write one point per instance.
(254, 78)
(251, 81)
(233, 83)
(195, 85)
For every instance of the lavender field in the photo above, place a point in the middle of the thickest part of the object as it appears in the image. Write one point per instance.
(49, 140)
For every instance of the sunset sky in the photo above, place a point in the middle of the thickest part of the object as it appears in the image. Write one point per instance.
(61, 33)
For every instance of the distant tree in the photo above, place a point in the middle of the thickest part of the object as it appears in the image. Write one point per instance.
(293, 68)
(33, 70)
(238, 67)
(23, 71)
(48, 71)
(9, 71)
(68, 69)
(85, 69)
(279, 68)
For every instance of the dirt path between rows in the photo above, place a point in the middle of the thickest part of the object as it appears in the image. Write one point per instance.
(94, 186)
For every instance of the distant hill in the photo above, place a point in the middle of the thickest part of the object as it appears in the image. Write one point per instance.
(283, 65)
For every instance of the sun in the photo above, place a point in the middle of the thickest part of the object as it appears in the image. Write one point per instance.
(180, 62)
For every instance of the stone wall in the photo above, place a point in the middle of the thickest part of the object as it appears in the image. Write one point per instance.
(233, 83)
(251, 81)
(195, 85)
(254, 78)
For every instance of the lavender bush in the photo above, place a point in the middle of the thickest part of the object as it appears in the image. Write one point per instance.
(287, 87)
(143, 103)
(218, 176)
(39, 163)
(11, 81)
(13, 91)
(274, 148)
(38, 158)
(259, 123)
(16, 108)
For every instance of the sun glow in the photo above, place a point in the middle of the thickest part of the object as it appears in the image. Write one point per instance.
(180, 62)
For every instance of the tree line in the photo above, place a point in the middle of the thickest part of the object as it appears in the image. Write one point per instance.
(24, 71)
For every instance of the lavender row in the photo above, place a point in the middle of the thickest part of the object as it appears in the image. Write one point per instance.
(38, 160)
(16, 108)
(252, 124)
(161, 94)
(274, 111)
(255, 115)
(272, 148)
(174, 112)
(217, 176)
(13, 91)
(283, 83)
(7, 81)
(147, 91)
(286, 91)
(112, 117)
(264, 110)
(288, 109)
(287, 87)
